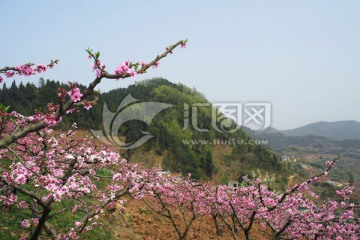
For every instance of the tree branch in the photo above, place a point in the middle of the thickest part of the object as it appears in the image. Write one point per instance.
(22, 132)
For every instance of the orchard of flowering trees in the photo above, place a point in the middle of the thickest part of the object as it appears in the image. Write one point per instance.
(45, 174)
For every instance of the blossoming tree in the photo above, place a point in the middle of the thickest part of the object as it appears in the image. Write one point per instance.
(41, 169)
(298, 213)
(44, 174)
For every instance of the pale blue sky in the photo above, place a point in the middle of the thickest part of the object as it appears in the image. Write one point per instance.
(302, 56)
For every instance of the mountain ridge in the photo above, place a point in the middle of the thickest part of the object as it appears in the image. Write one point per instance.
(337, 130)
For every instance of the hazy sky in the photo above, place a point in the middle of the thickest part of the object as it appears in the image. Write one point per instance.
(302, 56)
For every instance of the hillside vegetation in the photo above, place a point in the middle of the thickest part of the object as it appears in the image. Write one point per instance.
(207, 155)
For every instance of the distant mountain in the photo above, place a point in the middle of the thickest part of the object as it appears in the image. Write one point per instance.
(339, 130)
(342, 133)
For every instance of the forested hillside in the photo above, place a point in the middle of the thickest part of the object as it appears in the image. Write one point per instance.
(185, 151)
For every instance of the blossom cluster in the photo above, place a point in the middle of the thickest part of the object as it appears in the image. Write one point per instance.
(61, 166)
(25, 69)
(295, 214)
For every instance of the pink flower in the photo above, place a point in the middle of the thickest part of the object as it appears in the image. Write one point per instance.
(51, 122)
(1, 79)
(22, 204)
(134, 74)
(75, 94)
(156, 65)
(143, 63)
(25, 69)
(70, 110)
(13, 198)
(25, 223)
(9, 74)
(98, 73)
(72, 234)
(88, 106)
(183, 45)
(35, 221)
(77, 223)
(117, 177)
(20, 179)
(41, 68)
(88, 228)
(123, 68)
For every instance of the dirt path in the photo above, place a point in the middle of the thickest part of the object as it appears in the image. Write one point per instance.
(290, 179)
